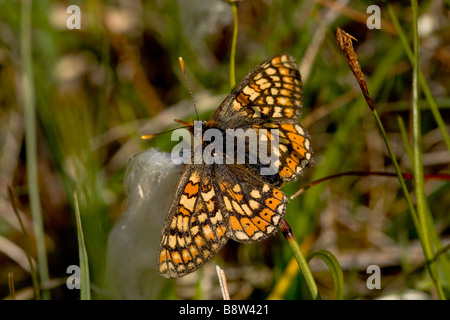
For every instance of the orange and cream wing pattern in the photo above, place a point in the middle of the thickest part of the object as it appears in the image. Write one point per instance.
(293, 148)
(295, 151)
(271, 91)
(254, 208)
(195, 227)
(216, 203)
(270, 97)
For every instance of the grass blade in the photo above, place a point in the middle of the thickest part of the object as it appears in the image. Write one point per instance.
(335, 269)
(30, 142)
(421, 202)
(85, 287)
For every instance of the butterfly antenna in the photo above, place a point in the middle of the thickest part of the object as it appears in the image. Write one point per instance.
(151, 135)
(183, 69)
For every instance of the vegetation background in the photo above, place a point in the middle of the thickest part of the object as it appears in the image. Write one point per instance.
(94, 91)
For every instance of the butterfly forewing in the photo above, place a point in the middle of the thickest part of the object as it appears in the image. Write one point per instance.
(270, 97)
(272, 91)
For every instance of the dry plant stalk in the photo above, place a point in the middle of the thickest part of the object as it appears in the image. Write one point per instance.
(223, 283)
(345, 42)
(12, 292)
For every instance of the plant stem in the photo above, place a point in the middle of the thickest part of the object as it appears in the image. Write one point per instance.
(233, 44)
(302, 263)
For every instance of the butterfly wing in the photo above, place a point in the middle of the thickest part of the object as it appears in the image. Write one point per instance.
(195, 228)
(214, 203)
(254, 209)
(291, 144)
(270, 97)
(270, 92)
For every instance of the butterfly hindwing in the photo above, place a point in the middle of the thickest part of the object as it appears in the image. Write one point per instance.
(215, 203)
(195, 228)
(254, 209)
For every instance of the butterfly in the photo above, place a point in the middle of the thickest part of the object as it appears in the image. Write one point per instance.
(216, 202)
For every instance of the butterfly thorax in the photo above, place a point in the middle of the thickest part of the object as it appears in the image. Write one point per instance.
(214, 146)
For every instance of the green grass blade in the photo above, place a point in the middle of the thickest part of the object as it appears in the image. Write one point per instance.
(31, 143)
(425, 222)
(85, 287)
(335, 269)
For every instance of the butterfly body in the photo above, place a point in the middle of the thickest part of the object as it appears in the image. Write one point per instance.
(231, 197)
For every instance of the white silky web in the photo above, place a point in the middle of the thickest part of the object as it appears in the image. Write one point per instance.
(131, 270)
